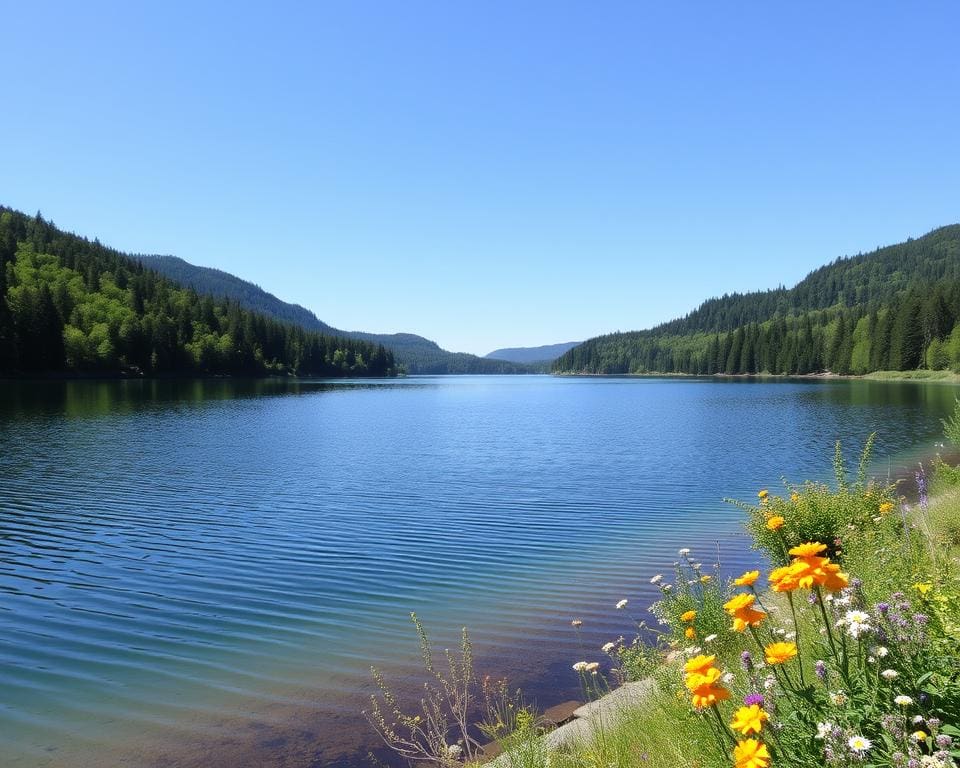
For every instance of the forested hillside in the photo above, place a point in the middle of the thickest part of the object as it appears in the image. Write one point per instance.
(897, 308)
(413, 353)
(68, 305)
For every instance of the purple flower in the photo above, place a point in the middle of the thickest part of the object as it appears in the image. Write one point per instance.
(944, 741)
(920, 618)
(753, 698)
(821, 669)
(883, 608)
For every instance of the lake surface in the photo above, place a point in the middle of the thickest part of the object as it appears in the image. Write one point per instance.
(200, 573)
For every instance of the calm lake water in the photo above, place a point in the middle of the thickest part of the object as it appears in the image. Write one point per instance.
(200, 573)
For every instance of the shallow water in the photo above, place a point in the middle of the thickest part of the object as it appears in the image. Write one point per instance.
(200, 573)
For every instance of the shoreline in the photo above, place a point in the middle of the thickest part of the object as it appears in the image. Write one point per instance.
(919, 375)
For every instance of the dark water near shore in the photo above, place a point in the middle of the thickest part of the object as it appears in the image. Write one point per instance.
(200, 573)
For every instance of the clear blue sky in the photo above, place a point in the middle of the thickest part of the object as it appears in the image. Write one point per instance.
(487, 174)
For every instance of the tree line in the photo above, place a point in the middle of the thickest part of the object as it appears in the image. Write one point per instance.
(69, 305)
(895, 309)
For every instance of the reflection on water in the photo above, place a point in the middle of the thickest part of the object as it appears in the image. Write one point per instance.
(199, 573)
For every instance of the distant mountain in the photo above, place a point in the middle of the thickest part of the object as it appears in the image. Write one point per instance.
(414, 353)
(545, 354)
(897, 308)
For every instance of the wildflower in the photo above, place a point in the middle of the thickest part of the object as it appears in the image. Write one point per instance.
(705, 578)
(699, 663)
(667, 587)
(902, 701)
(747, 661)
(621, 605)
(778, 653)
(688, 616)
(889, 674)
(923, 587)
(775, 523)
(709, 638)
(454, 751)
(684, 552)
(769, 683)
(576, 623)
(944, 741)
(657, 579)
(763, 494)
(749, 720)
(880, 651)
(838, 699)
(708, 695)
(810, 549)
(608, 647)
(580, 666)
(885, 507)
(794, 497)
(747, 579)
(697, 566)
(751, 754)
(857, 623)
(690, 633)
(859, 744)
(728, 677)
(744, 615)
(593, 666)
(753, 698)
(823, 730)
(821, 670)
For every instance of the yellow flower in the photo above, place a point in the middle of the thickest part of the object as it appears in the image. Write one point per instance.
(775, 523)
(751, 754)
(794, 497)
(747, 579)
(763, 494)
(749, 720)
(699, 663)
(738, 602)
(696, 680)
(810, 549)
(778, 653)
(886, 507)
(688, 616)
(705, 578)
(923, 587)
(690, 633)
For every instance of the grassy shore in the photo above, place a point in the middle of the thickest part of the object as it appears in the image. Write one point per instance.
(844, 652)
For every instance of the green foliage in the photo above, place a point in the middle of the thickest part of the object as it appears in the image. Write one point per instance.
(951, 425)
(896, 308)
(69, 305)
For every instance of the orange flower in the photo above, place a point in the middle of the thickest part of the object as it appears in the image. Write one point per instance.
(699, 663)
(751, 754)
(690, 633)
(749, 720)
(708, 695)
(775, 523)
(688, 616)
(810, 549)
(696, 680)
(778, 653)
(747, 579)
(739, 602)
(747, 617)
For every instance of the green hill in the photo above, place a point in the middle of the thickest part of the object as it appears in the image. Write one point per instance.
(72, 306)
(415, 354)
(897, 308)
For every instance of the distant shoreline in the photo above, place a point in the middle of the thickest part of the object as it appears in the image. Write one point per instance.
(945, 377)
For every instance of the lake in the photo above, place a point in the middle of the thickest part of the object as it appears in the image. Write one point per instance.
(200, 573)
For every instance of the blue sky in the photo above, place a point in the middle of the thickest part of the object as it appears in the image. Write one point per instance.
(487, 174)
